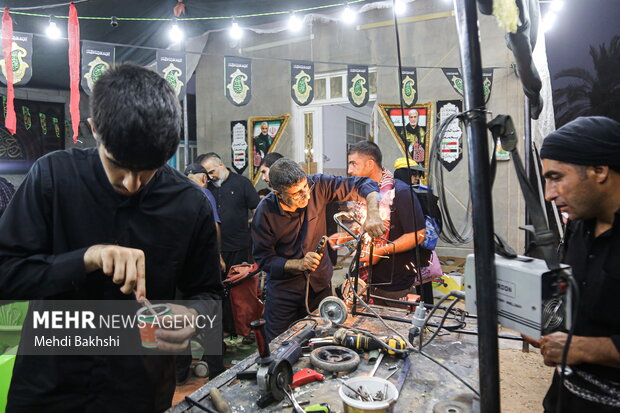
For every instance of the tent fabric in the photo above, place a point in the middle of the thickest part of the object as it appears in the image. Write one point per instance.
(50, 65)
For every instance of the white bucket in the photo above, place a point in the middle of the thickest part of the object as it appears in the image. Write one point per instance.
(372, 385)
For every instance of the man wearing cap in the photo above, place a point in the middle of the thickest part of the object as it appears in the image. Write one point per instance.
(198, 175)
(411, 174)
(581, 166)
(393, 263)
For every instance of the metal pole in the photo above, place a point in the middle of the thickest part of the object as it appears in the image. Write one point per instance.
(527, 137)
(185, 133)
(482, 210)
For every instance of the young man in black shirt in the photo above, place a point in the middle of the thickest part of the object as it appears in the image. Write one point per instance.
(85, 222)
(287, 226)
(581, 166)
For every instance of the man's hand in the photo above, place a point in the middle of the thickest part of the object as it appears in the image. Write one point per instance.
(177, 329)
(125, 265)
(374, 224)
(594, 350)
(364, 259)
(311, 261)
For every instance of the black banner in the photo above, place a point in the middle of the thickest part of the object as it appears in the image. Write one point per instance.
(410, 86)
(487, 83)
(39, 125)
(455, 78)
(239, 145)
(171, 65)
(21, 54)
(357, 85)
(238, 80)
(97, 58)
(302, 82)
(451, 146)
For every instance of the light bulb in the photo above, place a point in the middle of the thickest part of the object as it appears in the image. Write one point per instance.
(348, 15)
(557, 5)
(52, 31)
(400, 7)
(294, 23)
(549, 21)
(235, 31)
(175, 33)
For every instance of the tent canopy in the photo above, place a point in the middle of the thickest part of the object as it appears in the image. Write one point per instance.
(50, 62)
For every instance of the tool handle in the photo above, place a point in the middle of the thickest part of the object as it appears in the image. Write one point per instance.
(220, 404)
(321, 245)
(258, 327)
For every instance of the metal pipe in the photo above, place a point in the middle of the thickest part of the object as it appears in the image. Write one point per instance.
(482, 209)
(527, 138)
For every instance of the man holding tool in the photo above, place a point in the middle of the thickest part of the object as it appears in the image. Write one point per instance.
(581, 166)
(394, 271)
(287, 227)
(86, 222)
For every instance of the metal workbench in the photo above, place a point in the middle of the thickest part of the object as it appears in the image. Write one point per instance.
(427, 383)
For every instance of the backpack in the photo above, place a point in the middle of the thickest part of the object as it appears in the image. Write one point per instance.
(432, 215)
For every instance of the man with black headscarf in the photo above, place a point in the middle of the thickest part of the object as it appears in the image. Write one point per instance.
(581, 166)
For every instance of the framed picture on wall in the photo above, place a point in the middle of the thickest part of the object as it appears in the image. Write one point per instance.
(264, 132)
(418, 129)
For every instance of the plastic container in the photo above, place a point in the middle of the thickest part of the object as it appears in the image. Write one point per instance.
(147, 325)
(372, 385)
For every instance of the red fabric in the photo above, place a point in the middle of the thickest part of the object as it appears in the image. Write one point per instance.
(246, 306)
(74, 68)
(7, 44)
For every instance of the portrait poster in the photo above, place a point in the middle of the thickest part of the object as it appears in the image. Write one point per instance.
(264, 133)
(416, 137)
(239, 146)
(40, 130)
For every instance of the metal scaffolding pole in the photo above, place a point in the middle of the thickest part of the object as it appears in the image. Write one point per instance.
(482, 209)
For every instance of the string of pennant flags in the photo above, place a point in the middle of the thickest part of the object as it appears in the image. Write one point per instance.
(97, 57)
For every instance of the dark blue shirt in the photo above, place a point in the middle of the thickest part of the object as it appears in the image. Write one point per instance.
(279, 236)
(211, 199)
(404, 218)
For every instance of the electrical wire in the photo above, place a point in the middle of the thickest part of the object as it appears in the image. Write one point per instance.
(443, 319)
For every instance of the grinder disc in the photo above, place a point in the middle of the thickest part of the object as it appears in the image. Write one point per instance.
(280, 377)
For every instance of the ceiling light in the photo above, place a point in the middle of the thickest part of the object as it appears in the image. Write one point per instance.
(235, 31)
(294, 23)
(400, 7)
(557, 5)
(52, 31)
(549, 21)
(348, 15)
(175, 33)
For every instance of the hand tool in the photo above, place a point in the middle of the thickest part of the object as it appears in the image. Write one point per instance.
(275, 370)
(306, 376)
(318, 408)
(296, 407)
(376, 366)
